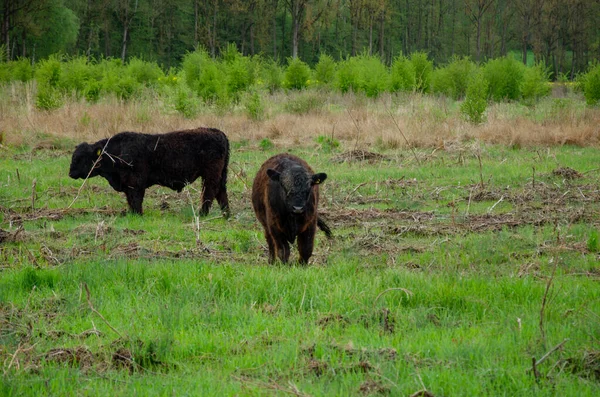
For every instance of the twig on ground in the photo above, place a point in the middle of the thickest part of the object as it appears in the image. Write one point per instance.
(403, 136)
(93, 309)
(544, 301)
(408, 293)
(495, 204)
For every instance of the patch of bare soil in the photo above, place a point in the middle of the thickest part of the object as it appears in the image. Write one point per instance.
(567, 173)
(332, 319)
(359, 155)
(11, 237)
(586, 364)
(18, 218)
(80, 356)
(371, 386)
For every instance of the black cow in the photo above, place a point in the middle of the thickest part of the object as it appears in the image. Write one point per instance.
(285, 196)
(131, 162)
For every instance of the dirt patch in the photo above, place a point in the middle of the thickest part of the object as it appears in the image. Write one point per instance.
(359, 155)
(11, 237)
(587, 364)
(332, 319)
(371, 386)
(567, 173)
(78, 356)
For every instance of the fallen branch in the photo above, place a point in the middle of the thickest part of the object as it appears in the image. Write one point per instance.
(93, 309)
(536, 363)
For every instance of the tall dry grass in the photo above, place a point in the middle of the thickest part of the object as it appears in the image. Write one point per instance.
(357, 122)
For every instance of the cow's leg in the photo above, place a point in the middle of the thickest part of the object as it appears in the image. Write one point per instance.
(306, 241)
(209, 191)
(272, 246)
(135, 197)
(223, 201)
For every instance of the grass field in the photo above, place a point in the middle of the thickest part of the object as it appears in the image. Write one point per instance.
(451, 270)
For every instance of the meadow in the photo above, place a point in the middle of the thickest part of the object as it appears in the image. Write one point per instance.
(465, 258)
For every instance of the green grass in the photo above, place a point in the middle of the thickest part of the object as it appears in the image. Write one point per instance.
(173, 310)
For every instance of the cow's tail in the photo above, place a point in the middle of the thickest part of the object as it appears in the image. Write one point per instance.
(225, 166)
(323, 226)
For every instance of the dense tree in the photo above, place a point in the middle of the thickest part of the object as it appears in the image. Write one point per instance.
(561, 33)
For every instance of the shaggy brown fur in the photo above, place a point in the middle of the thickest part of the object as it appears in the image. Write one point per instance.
(285, 196)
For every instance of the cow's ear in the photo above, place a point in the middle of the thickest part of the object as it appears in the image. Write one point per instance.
(97, 149)
(319, 178)
(274, 175)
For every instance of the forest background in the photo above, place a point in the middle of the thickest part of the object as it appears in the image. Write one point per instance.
(563, 34)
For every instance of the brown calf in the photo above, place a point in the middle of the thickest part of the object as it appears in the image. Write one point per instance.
(285, 196)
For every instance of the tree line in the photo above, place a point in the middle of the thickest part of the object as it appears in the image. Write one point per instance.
(563, 34)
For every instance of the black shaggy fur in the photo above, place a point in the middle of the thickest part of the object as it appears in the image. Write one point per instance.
(131, 162)
(285, 197)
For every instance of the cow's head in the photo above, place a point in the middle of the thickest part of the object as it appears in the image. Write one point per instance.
(84, 157)
(296, 186)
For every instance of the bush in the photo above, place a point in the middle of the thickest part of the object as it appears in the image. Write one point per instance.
(452, 79)
(325, 70)
(504, 76)
(21, 70)
(143, 72)
(347, 76)
(402, 75)
(590, 83)
(535, 84)
(423, 70)
(254, 106)
(48, 71)
(240, 75)
(266, 144)
(327, 143)
(296, 74)
(77, 74)
(272, 74)
(373, 75)
(475, 103)
(48, 97)
(305, 103)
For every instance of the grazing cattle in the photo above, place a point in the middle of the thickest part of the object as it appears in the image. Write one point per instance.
(132, 162)
(285, 196)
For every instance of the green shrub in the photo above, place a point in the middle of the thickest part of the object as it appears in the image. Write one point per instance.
(297, 74)
(423, 70)
(76, 75)
(184, 101)
(504, 76)
(254, 106)
(272, 74)
(590, 83)
(240, 75)
(48, 71)
(325, 70)
(92, 91)
(452, 79)
(475, 103)
(305, 103)
(347, 76)
(20, 70)
(265, 144)
(143, 72)
(373, 75)
(535, 84)
(402, 75)
(48, 97)
(327, 143)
